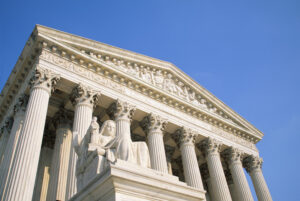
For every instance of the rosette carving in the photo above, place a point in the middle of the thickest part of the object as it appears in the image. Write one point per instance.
(44, 78)
(84, 95)
(154, 123)
(252, 162)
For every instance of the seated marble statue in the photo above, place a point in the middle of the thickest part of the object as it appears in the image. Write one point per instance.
(108, 144)
(98, 148)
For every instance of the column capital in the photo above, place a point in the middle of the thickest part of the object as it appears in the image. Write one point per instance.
(121, 110)
(154, 123)
(185, 136)
(44, 79)
(84, 95)
(20, 106)
(252, 163)
(232, 155)
(210, 146)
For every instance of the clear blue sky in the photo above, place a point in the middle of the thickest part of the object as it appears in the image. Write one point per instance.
(247, 53)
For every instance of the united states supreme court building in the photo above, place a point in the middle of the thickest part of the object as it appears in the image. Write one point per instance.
(85, 121)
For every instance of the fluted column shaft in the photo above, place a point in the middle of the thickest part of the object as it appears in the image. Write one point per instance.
(157, 151)
(189, 159)
(253, 167)
(154, 126)
(43, 175)
(218, 180)
(242, 188)
(84, 99)
(19, 184)
(60, 162)
(19, 116)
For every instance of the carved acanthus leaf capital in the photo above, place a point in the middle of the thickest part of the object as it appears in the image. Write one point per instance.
(121, 110)
(154, 123)
(232, 155)
(84, 95)
(252, 163)
(210, 146)
(20, 106)
(184, 136)
(45, 79)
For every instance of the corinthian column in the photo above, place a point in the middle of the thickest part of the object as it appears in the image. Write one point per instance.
(186, 140)
(84, 100)
(218, 181)
(253, 166)
(19, 111)
(60, 159)
(5, 131)
(19, 183)
(154, 126)
(123, 112)
(242, 190)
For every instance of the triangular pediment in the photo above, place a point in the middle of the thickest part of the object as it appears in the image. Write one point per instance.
(160, 75)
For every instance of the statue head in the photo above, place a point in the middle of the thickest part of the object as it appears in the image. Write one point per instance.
(108, 128)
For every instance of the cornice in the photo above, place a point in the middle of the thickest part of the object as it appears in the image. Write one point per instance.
(40, 42)
(64, 57)
(15, 81)
(98, 48)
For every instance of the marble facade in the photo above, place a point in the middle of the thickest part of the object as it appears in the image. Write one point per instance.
(82, 120)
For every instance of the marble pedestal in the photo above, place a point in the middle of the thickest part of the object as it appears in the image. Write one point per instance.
(126, 181)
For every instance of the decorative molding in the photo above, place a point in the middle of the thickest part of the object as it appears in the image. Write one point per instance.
(118, 82)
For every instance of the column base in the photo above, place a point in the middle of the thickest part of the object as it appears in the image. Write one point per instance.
(126, 181)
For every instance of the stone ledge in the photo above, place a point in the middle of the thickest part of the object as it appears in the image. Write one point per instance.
(126, 181)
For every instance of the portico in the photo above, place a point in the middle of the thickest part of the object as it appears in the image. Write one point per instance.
(69, 79)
